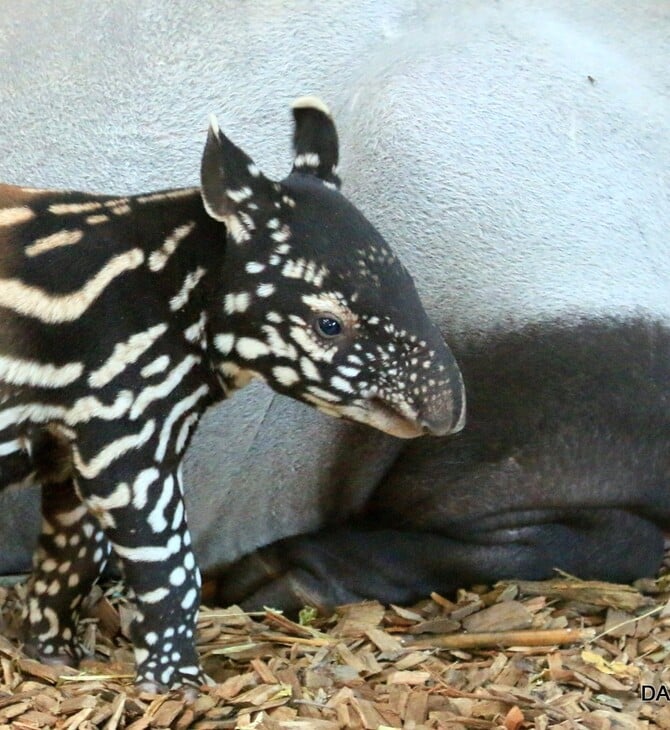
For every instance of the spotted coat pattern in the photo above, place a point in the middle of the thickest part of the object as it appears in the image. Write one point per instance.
(124, 318)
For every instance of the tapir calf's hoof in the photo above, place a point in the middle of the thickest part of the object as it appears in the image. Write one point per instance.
(34, 652)
(190, 694)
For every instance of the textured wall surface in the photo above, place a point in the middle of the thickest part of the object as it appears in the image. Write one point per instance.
(516, 154)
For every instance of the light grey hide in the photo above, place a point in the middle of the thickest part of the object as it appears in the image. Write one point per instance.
(516, 155)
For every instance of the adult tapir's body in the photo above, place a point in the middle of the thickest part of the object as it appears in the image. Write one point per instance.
(565, 463)
(546, 193)
(518, 159)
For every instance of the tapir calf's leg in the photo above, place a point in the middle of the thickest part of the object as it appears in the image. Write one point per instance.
(71, 553)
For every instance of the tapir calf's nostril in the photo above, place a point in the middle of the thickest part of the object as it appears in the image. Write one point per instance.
(446, 414)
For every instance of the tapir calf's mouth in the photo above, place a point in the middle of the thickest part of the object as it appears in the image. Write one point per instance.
(388, 419)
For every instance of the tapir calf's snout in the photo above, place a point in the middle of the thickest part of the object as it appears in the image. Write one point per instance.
(446, 414)
(444, 411)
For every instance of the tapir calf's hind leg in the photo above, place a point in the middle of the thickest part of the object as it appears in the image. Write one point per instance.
(71, 554)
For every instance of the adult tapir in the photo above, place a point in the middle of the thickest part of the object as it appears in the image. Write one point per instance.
(518, 160)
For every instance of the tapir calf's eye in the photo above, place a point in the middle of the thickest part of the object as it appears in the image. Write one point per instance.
(328, 326)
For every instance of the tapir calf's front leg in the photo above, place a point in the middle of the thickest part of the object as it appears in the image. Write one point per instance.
(146, 524)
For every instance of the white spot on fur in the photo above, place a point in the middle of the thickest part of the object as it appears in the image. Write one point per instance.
(293, 269)
(236, 302)
(120, 497)
(74, 208)
(285, 375)
(191, 280)
(348, 372)
(168, 195)
(113, 451)
(141, 485)
(94, 220)
(341, 384)
(31, 301)
(67, 519)
(82, 411)
(239, 196)
(10, 447)
(156, 518)
(159, 258)
(178, 410)
(189, 598)
(311, 102)
(254, 267)
(196, 332)
(224, 343)
(178, 515)
(277, 344)
(28, 372)
(124, 354)
(52, 619)
(162, 390)
(250, 348)
(149, 554)
(55, 240)
(177, 576)
(184, 432)
(282, 235)
(159, 365)
(307, 159)
(309, 369)
(265, 290)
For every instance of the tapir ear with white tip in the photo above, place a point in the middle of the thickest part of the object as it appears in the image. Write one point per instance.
(233, 189)
(315, 140)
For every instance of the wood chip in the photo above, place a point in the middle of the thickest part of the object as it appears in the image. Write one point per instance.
(385, 642)
(595, 592)
(408, 677)
(506, 616)
(357, 618)
(377, 668)
(167, 713)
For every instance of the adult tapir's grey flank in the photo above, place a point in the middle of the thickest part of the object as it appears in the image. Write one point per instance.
(124, 318)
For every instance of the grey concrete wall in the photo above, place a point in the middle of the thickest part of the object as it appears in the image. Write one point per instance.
(513, 186)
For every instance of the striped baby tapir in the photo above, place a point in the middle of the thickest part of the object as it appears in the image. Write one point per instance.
(123, 318)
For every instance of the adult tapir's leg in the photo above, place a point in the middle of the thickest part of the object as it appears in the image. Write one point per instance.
(564, 463)
(293, 468)
(356, 562)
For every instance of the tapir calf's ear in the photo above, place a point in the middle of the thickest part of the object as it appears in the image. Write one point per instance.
(233, 189)
(315, 140)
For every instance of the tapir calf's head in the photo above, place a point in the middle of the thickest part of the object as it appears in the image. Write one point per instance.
(314, 301)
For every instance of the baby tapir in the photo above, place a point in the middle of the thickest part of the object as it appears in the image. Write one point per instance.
(123, 318)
